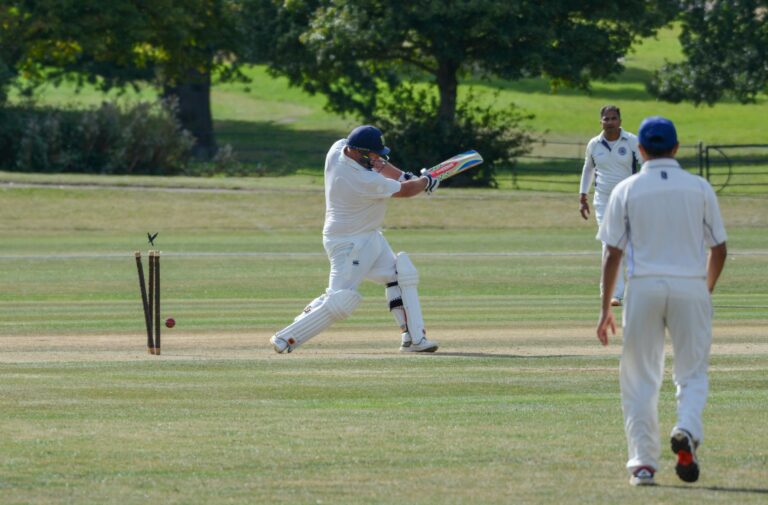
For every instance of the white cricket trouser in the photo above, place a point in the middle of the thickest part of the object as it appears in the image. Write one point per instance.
(359, 257)
(600, 203)
(683, 306)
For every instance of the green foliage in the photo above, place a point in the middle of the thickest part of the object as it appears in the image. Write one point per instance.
(117, 43)
(11, 28)
(356, 52)
(348, 48)
(176, 46)
(140, 139)
(725, 44)
(420, 138)
(225, 163)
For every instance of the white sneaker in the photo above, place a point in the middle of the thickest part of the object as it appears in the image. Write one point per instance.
(642, 476)
(424, 345)
(279, 345)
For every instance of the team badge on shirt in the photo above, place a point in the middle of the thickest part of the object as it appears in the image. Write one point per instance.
(622, 151)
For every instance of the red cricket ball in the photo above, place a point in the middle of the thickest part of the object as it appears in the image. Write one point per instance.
(170, 322)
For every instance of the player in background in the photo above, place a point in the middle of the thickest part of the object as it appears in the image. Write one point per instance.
(670, 218)
(610, 158)
(359, 181)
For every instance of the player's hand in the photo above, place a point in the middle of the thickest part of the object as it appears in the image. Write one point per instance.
(432, 182)
(607, 321)
(407, 176)
(584, 209)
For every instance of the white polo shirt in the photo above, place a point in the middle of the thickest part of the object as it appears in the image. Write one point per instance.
(609, 164)
(355, 198)
(669, 216)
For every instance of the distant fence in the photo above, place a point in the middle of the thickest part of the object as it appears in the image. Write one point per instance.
(551, 165)
(741, 168)
(736, 166)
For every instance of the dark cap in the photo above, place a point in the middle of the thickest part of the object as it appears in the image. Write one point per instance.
(657, 133)
(368, 138)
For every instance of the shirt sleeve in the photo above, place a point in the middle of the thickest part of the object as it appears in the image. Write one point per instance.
(588, 171)
(714, 229)
(373, 185)
(614, 230)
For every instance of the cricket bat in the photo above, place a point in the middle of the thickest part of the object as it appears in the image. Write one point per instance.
(455, 165)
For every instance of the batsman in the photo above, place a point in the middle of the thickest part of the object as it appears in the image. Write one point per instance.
(359, 181)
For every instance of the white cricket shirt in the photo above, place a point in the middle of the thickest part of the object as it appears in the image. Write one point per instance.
(669, 216)
(355, 198)
(609, 164)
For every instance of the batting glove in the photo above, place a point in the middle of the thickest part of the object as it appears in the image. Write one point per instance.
(432, 182)
(407, 176)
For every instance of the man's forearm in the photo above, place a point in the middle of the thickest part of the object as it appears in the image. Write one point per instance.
(611, 265)
(715, 264)
(387, 169)
(412, 188)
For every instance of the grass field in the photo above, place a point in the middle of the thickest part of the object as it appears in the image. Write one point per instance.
(520, 405)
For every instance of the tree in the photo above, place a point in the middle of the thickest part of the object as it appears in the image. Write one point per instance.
(14, 29)
(348, 49)
(725, 44)
(176, 46)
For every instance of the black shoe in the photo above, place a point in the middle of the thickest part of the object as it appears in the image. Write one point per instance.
(683, 445)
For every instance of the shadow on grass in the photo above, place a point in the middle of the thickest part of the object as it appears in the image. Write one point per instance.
(629, 85)
(720, 489)
(505, 356)
(276, 149)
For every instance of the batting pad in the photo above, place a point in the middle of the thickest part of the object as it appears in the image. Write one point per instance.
(408, 279)
(334, 307)
(313, 305)
(395, 301)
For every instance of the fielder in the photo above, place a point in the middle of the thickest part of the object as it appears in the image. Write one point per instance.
(670, 218)
(611, 157)
(358, 184)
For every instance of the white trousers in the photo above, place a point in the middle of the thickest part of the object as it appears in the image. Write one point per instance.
(357, 258)
(600, 203)
(682, 306)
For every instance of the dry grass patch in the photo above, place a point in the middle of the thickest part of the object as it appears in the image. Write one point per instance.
(528, 341)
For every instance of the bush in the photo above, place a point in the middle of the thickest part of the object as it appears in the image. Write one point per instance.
(419, 139)
(225, 163)
(142, 138)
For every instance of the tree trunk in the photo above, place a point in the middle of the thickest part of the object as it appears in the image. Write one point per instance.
(194, 113)
(447, 83)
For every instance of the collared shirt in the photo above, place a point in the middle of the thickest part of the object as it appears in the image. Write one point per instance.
(355, 198)
(609, 165)
(669, 216)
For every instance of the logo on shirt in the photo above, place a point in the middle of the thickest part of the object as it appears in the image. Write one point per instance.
(622, 151)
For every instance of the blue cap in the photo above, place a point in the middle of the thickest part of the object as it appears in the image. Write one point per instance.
(657, 133)
(369, 138)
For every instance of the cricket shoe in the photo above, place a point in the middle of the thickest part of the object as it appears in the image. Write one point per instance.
(423, 345)
(642, 476)
(616, 302)
(405, 341)
(684, 446)
(279, 345)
